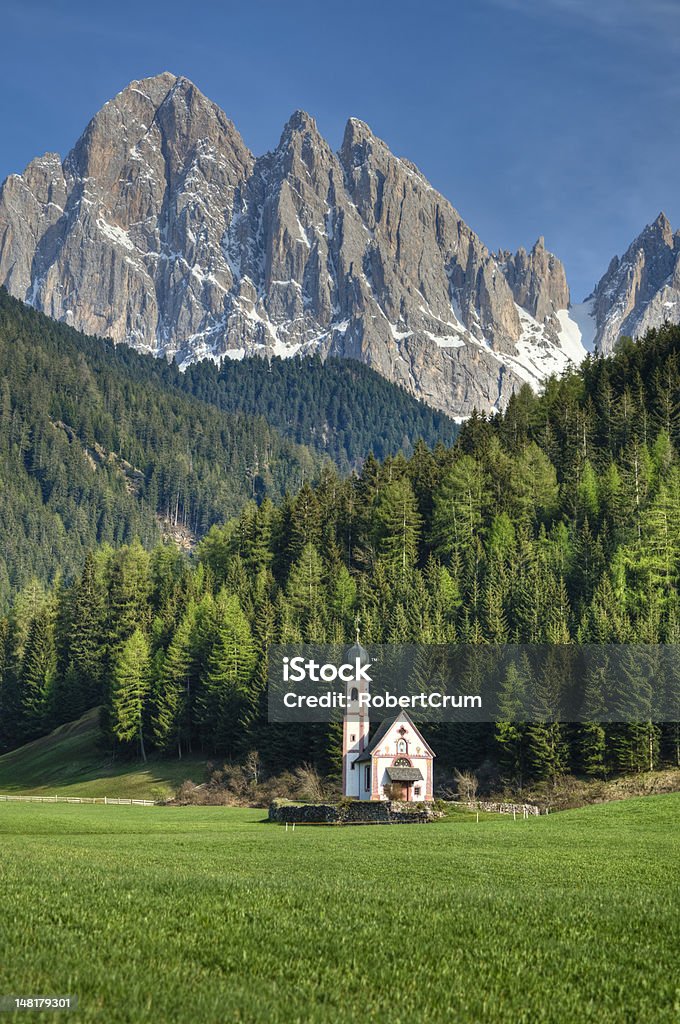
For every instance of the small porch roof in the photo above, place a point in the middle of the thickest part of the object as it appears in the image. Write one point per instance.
(398, 774)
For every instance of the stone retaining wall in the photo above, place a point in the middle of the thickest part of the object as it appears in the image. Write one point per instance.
(504, 808)
(353, 812)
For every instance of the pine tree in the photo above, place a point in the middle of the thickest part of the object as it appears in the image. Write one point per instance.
(592, 735)
(547, 749)
(511, 728)
(548, 753)
(171, 719)
(258, 554)
(634, 739)
(495, 619)
(130, 690)
(305, 522)
(398, 524)
(37, 674)
(660, 539)
(304, 589)
(86, 637)
(225, 699)
(457, 515)
(533, 484)
(344, 597)
(10, 690)
(129, 592)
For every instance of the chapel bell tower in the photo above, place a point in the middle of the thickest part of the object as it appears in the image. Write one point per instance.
(355, 724)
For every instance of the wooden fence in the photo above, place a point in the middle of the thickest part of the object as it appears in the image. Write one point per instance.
(117, 800)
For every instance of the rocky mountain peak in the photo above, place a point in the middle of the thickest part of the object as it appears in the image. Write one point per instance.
(300, 121)
(356, 132)
(42, 175)
(155, 88)
(300, 141)
(359, 144)
(161, 229)
(641, 289)
(538, 281)
(662, 228)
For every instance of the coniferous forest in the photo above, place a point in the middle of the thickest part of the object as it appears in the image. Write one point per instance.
(340, 407)
(99, 444)
(556, 522)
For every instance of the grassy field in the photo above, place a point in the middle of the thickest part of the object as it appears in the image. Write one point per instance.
(70, 761)
(210, 915)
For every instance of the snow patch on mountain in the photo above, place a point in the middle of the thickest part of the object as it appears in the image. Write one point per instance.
(116, 234)
(578, 330)
(538, 356)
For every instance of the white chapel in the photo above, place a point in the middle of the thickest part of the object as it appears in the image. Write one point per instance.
(396, 764)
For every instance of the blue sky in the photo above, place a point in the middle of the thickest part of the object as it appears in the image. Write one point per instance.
(552, 117)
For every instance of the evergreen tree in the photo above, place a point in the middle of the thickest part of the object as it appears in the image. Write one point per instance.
(129, 592)
(86, 626)
(547, 748)
(457, 515)
(592, 733)
(511, 728)
(398, 523)
(171, 719)
(130, 690)
(305, 585)
(10, 690)
(224, 700)
(37, 674)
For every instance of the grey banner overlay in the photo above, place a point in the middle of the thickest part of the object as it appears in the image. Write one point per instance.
(477, 683)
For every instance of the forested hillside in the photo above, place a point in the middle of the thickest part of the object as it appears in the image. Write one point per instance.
(339, 406)
(556, 522)
(99, 444)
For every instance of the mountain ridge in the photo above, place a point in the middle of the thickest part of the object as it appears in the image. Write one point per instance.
(162, 229)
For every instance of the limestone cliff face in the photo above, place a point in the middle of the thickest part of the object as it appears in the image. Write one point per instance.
(125, 238)
(537, 281)
(641, 289)
(161, 229)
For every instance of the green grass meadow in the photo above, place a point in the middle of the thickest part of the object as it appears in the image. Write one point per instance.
(184, 914)
(71, 762)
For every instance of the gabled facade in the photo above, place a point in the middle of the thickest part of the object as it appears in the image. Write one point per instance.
(397, 764)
